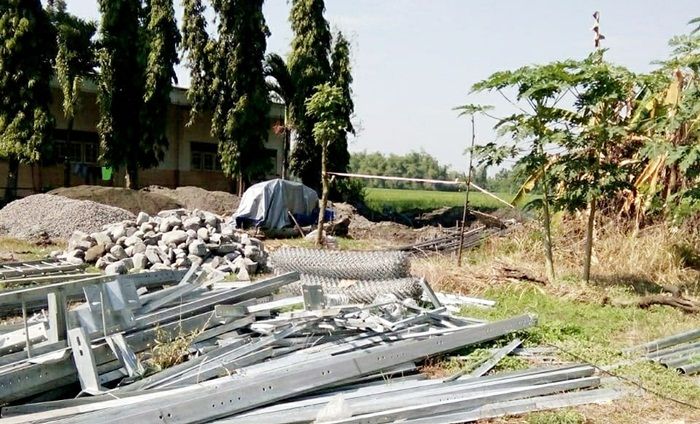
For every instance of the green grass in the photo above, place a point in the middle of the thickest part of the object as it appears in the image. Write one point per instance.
(397, 200)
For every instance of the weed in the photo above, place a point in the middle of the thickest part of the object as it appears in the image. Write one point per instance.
(563, 416)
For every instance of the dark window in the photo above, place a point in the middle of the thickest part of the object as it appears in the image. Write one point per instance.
(83, 147)
(204, 156)
(272, 156)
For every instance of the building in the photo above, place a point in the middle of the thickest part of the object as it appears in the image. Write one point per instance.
(191, 158)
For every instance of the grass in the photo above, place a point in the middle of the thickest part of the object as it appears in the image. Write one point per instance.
(397, 200)
(20, 250)
(576, 319)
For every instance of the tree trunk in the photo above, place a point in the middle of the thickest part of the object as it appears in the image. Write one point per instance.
(285, 146)
(131, 177)
(589, 241)
(12, 177)
(548, 257)
(66, 174)
(324, 194)
(466, 197)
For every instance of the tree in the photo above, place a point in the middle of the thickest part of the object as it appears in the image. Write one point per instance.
(28, 45)
(242, 103)
(162, 40)
(138, 49)
(327, 107)
(121, 86)
(199, 55)
(281, 85)
(341, 77)
(309, 67)
(75, 57)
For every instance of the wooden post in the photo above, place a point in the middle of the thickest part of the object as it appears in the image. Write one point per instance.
(57, 316)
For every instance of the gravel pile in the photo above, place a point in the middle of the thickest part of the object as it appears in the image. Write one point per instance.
(218, 202)
(56, 216)
(172, 239)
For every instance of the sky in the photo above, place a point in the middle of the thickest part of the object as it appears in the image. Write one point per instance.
(415, 60)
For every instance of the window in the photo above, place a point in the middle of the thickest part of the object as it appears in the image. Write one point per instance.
(83, 147)
(204, 157)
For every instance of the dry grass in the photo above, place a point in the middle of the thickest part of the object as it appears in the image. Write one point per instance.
(168, 350)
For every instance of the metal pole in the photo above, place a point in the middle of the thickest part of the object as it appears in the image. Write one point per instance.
(102, 309)
(26, 329)
(466, 197)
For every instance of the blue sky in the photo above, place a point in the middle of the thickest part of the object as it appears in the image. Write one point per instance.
(414, 60)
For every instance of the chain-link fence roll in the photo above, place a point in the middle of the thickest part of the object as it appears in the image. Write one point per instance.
(357, 265)
(360, 291)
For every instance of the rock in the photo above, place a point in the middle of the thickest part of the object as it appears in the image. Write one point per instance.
(250, 265)
(128, 263)
(198, 248)
(139, 248)
(215, 238)
(243, 274)
(74, 260)
(255, 242)
(182, 263)
(160, 267)
(252, 252)
(109, 258)
(77, 253)
(129, 251)
(169, 223)
(154, 254)
(227, 248)
(140, 261)
(101, 264)
(130, 231)
(146, 227)
(132, 240)
(102, 238)
(76, 238)
(245, 239)
(194, 259)
(142, 218)
(117, 231)
(174, 237)
(94, 253)
(191, 223)
(211, 220)
(55, 254)
(203, 234)
(232, 256)
(118, 252)
(116, 268)
(172, 212)
(120, 240)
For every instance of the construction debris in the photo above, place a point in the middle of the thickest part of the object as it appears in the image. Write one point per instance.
(174, 239)
(246, 354)
(680, 351)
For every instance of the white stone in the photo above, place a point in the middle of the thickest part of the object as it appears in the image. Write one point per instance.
(142, 218)
(140, 261)
(203, 234)
(198, 248)
(132, 240)
(174, 237)
(118, 252)
(116, 268)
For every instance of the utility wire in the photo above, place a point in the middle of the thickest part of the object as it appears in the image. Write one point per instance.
(623, 378)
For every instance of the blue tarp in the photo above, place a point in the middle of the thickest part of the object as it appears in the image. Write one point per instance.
(266, 204)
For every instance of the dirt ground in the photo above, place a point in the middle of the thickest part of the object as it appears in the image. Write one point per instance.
(154, 199)
(134, 201)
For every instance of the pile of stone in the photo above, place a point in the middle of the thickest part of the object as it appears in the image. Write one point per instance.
(172, 239)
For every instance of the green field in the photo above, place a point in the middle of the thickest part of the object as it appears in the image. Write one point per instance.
(380, 199)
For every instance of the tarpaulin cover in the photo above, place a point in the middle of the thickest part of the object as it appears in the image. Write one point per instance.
(266, 204)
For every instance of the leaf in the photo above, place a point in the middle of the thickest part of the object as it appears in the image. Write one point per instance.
(528, 185)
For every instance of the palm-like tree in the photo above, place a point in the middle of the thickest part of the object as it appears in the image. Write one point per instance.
(281, 85)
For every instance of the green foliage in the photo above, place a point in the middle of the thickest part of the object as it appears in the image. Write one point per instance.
(75, 59)
(162, 38)
(280, 83)
(138, 50)
(327, 106)
(28, 47)
(240, 114)
(309, 67)
(412, 165)
(199, 55)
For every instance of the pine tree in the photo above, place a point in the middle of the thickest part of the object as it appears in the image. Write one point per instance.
(309, 67)
(137, 55)
(75, 57)
(199, 54)
(238, 89)
(341, 76)
(121, 85)
(28, 46)
(162, 40)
